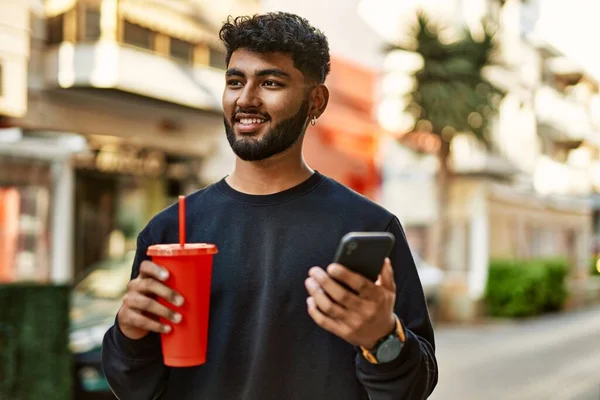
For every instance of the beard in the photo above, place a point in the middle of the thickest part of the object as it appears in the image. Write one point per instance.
(276, 140)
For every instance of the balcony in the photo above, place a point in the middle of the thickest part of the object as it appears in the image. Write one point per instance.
(551, 177)
(561, 117)
(160, 50)
(471, 158)
(112, 65)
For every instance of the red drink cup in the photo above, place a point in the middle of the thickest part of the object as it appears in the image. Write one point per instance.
(190, 273)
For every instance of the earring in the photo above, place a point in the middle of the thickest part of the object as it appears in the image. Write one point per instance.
(313, 121)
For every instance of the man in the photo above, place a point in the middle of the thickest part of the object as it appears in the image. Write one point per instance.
(281, 326)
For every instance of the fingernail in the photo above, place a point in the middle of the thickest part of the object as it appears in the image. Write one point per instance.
(320, 275)
(166, 328)
(310, 282)
(314, 270)
(178, 301)
(164, 274)
(177, 318)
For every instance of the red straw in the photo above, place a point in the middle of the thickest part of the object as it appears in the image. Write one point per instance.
(182, 221)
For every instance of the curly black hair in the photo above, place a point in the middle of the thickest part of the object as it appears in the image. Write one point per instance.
(280, 32)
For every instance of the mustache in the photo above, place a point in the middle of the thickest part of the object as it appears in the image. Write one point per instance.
(249, 111)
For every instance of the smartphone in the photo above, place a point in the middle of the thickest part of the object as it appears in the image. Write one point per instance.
(365, 252)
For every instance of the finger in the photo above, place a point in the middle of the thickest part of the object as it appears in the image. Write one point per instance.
(154, 287)
(325, 322)
(333, 289)
(323, 302)
(149, 269)
(386, 279)
(150, 307)
(135, 319)
(355, 281)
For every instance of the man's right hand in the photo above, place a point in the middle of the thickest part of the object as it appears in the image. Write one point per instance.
(139, 314)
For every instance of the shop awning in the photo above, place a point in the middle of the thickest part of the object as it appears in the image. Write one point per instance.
(158, 17)
(173, 18)
(50, 147)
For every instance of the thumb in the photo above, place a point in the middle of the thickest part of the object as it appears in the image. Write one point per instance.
(386, 278)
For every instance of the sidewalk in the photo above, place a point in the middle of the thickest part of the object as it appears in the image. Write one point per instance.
(551, 357)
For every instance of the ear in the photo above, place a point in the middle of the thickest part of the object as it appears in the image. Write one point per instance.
(319, 98)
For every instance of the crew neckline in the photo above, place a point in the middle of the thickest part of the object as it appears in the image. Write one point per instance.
(271, 199)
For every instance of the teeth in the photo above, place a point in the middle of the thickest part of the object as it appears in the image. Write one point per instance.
(248, 121)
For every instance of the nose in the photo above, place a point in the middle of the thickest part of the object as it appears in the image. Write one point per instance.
(248, 98)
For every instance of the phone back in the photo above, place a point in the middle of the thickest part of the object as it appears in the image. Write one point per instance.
(365, 252)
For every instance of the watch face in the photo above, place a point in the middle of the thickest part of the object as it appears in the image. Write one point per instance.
(389, 350)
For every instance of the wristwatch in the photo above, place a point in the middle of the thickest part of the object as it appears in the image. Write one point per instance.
(387, 348)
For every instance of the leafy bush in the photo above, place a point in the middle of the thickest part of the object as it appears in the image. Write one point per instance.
(519, 288)
(35, 362)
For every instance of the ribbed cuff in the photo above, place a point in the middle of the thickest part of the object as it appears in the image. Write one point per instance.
(409, 356)
(146, 348)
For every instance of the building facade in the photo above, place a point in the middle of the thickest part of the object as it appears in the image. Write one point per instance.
(529, 197)
(110, 109)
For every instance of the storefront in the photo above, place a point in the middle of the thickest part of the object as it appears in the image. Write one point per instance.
(137, 155)
(35, 204)
(118, 189)
(63, 196)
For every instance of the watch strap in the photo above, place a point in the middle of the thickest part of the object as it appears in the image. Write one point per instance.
(398, 331)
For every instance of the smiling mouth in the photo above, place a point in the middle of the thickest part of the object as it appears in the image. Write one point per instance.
(249, 125)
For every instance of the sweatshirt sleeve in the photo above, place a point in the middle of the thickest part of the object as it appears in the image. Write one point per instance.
(134, 369)
(414, 373)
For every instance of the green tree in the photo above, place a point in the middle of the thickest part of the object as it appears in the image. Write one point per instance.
(451, 96)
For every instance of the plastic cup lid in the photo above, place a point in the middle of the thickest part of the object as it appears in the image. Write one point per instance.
(175, 249)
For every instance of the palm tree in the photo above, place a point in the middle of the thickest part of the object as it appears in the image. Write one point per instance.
(450, 97)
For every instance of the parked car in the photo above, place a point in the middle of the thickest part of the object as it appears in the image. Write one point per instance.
(95, 300)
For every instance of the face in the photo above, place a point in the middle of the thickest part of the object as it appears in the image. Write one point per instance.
(266, 104)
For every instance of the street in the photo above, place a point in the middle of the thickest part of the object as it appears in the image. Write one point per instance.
(554, 357)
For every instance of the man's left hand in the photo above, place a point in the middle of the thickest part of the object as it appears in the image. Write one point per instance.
(361, 319)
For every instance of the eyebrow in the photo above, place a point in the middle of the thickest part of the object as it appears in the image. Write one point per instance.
(274, 72)
(234, 72)
(261, 72)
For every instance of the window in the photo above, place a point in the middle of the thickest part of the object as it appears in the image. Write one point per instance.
(217, 59)
(138, 36)
(92, 29)
(201, 54)
(181, 49)
(55, 29)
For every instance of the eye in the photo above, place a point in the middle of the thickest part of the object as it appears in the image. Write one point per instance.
(272, 84)
(234, 83)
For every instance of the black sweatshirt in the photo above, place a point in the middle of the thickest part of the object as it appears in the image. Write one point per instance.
(262, 343)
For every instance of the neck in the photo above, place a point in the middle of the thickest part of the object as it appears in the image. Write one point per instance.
(273, 175)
